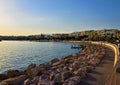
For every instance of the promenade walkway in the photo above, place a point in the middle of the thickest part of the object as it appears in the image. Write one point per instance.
(102, 71)
(105, 72)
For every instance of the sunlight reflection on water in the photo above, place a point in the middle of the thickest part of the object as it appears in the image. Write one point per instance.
(19, 54)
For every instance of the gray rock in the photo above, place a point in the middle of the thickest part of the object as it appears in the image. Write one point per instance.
(58, 79)
(56, 63)
(14, 81)
(66, 75)
(53, 61)
(14, 73)
(3, 76)
(43, 80)
(72, 81)
(32, 70)
(80, 72)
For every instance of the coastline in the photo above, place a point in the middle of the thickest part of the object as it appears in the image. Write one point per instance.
(55, 66)
(43, 52)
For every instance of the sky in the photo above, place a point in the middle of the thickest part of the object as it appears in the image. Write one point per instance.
(26, 17)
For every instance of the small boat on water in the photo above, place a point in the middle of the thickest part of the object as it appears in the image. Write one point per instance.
(76, 46)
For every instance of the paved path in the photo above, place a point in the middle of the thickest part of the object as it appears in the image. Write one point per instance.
(102, 72)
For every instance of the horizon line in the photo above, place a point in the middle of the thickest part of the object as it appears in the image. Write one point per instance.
(57, 32)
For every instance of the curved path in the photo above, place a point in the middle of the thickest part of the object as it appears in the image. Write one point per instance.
(99, 75)
(105, 72)
(114, 78)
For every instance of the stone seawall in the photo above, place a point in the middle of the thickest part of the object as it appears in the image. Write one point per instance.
(68, 70)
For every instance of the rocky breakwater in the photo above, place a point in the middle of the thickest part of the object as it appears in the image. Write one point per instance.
(65, 71)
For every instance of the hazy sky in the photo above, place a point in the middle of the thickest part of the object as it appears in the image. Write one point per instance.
(24, 17)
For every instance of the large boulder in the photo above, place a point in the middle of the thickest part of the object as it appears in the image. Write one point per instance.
(31, 66)
(14, 73)
(42, 68)
(56, 63)
(3, 76)
(14, 81)
(32, 70)
(90, 56)
(71, 69)
(58, 79)
(59, 70)
(44, 80)
(72, 81)
(81, 72)
(76, 65)
(35, 80)
(66, 75)
(53, 61)
(84, 63)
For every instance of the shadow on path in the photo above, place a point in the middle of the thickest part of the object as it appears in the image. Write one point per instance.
(99, 74)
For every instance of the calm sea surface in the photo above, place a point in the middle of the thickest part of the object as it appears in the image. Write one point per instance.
(19, 54)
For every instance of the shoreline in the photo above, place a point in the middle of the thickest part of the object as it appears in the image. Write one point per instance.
(41, 56)
(58, 65)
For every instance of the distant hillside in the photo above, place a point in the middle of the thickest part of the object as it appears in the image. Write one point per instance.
(110, 35)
